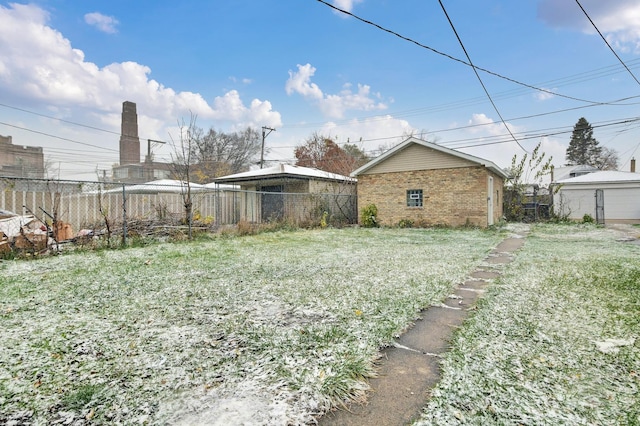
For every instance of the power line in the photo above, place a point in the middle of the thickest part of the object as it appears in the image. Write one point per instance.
(606, 42)
(550, 132)
(562, 81)
(453, 58)
(58, 137)
(580, 77)
(495, 107)
(503, 138)
(60, 119)
(66, 121)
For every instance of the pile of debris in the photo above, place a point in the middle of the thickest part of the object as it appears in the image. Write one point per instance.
(26, 233)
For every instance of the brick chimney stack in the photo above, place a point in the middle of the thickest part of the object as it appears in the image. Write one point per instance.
(129, 141)
(633, 165)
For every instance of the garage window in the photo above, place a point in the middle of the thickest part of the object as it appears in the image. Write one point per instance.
(414, 197)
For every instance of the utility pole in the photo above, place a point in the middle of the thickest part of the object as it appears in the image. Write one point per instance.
(150, 142)
(264, 135)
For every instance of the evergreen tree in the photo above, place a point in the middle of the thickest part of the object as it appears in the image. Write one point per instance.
(583, 147)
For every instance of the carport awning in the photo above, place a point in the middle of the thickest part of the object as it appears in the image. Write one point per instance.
(282, 173)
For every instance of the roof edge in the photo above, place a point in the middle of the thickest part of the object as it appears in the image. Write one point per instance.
(413, 140)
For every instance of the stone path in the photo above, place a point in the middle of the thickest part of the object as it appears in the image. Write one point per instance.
(410, 369)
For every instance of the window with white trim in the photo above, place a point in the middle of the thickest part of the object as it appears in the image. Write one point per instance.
(414, 197)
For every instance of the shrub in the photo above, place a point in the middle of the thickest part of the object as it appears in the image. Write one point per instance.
(323, 219)
(369, 216)
(246, 228)
(587, 218)
(405, 223)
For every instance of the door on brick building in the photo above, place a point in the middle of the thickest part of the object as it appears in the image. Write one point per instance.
(490, 201)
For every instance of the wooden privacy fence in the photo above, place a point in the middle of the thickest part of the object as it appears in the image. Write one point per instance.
(85, 205)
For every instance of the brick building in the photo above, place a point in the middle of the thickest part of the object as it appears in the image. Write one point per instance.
(19, 160)
(429, 184)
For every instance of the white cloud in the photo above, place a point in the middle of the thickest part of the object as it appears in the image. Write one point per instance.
(543, 96)
(245, 81)
(104, 23)
(231, 108)
(492, 141)
(41, 66)
(380, 130)
(336, 105)
(346, 4)
(40, 70)
(300, 82)
(555, 149)
(618, 20)
(333, 106)
(488, 127)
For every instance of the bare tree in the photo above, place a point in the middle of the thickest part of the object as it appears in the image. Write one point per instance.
(420, 134)
(216, 153)
(51, 170)
(182, 162)
(608, 159)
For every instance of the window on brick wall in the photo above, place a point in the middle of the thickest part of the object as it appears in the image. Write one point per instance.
(414, 197)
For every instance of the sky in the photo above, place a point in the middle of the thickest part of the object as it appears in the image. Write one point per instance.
(371, 76)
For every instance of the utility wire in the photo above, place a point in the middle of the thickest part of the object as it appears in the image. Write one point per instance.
(499, 139)
(58, 137)
(495, 107)
(581, 77)
(453, 58)
(64, 121)
(472, 126)
(606, 42)
(60, 119)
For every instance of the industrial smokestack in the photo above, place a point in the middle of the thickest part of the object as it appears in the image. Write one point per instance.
(633, 165)
(129, 141)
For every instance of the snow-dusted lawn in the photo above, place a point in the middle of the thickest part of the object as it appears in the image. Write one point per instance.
(555, 341)
(268, 329)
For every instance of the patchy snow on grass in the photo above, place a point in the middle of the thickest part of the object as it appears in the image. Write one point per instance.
(555, 339)
(268, 329)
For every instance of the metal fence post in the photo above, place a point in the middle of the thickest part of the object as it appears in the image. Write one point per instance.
(124, 216)
(218, 209)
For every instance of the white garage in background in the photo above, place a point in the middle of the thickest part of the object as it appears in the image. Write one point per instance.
(612, 195)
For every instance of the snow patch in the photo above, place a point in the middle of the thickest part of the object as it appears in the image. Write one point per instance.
(612, 346)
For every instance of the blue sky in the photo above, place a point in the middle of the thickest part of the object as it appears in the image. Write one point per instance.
(301, 67)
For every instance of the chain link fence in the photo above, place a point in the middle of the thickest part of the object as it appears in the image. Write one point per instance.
(71, 209)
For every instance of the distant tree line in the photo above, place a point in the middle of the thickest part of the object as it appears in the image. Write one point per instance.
(215, 153)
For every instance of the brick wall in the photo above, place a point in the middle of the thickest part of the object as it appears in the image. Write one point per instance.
(452, 197)
(19, 160)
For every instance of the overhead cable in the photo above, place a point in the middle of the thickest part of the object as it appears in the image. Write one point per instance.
(453, 58)
(495, 107)
(606, 42)
(60, 119)
(57, 137)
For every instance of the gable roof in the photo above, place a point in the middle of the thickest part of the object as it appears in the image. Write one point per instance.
(412, 140)
(283, 171)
